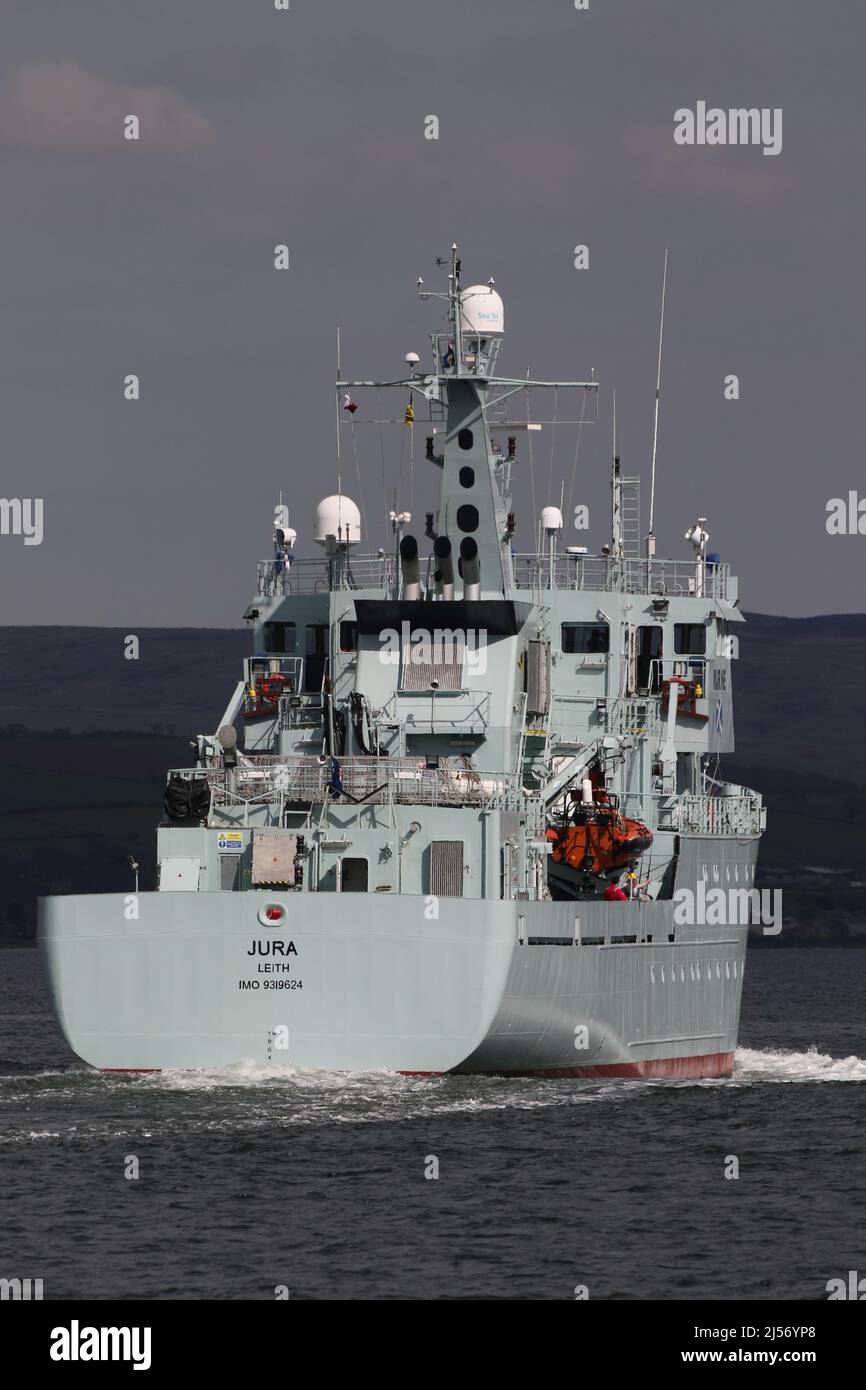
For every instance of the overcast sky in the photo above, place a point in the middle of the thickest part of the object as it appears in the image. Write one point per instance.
(307, 128)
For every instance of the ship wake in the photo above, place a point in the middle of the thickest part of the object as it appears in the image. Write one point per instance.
(778, 1065)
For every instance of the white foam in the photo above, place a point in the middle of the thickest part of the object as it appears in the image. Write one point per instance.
(249, 1073)
(775, 1065)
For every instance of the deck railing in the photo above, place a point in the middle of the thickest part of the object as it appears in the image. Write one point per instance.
(307, 781)
(272, 778)
(666, 578)
(720, 815)
(597, 573)
(312, 576)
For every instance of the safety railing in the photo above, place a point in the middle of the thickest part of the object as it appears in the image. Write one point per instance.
(742, 814)
(437, 711)
(276, 578)
(268, 778)
(600, 573)
(596, 573)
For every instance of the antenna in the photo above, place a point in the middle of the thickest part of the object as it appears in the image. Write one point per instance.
(650, 543)
(614, 422)
(337, 398)
(615, 495)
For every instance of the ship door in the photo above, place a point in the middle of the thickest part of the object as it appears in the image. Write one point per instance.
(353, 875)
(317, 656)
(649, 659)
(631, 659)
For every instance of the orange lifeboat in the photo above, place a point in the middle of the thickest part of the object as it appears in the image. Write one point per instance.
(598, 839)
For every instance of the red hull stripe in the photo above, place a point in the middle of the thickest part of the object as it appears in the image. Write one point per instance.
(653, 1069)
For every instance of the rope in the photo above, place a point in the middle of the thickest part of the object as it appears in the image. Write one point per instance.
(358, 472)
(576, 454)
(553, 443)
(531, 472)
(399, 486)
(412, 457)
(382, 457)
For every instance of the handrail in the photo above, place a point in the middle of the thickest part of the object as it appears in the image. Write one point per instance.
(265, 778)
(630, 574)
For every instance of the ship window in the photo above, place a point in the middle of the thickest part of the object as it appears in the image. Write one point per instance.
(467, 477)
(465, 439)
(280, 637)
(353, 875)
(585, 637)
(348, 637)
(467, 517)
(690, 639)
(649, 658)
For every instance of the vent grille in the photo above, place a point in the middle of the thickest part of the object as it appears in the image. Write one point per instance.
(446, 868)
(538, 677)
(440, 660)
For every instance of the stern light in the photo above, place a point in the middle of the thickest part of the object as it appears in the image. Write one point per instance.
(272, 914)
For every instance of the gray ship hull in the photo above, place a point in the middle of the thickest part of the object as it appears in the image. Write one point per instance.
(509, 987)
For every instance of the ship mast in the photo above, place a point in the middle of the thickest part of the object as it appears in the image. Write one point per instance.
(454, 308)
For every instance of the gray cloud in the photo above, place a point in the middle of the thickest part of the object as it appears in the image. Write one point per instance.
(61, 106)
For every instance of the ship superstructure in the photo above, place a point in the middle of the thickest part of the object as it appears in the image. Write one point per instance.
(508, 760)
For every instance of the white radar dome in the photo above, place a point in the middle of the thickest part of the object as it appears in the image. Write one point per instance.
(337, 516)
(483, 311)
(551, 519)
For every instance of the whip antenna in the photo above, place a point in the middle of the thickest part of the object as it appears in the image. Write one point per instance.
(651, 540)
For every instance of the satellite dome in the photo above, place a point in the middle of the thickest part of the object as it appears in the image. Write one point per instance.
(337, 516)
(482, 311)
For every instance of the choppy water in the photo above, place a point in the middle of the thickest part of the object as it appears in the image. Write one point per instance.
(252, 1177)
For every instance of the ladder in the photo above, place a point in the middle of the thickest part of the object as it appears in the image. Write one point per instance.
(534, 769)
(630, 517)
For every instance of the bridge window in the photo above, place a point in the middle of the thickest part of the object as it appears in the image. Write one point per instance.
(279, 637)
(690, 639)
(585, 637)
